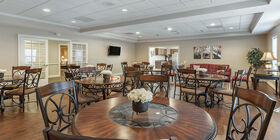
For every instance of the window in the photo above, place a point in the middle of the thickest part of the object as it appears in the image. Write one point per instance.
(79, 53)
(274, 51)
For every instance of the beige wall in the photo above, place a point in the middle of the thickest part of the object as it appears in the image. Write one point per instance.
(234, 49)
(97, 47)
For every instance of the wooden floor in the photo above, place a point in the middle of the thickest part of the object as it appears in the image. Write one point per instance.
(15, 125)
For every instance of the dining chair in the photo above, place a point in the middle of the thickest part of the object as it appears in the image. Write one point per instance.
(167, 69)
(55, 103)
(250, 119)
(109, 67)
(146, 64)
(85, 95)
(226, 91)
(176, 77)
(131, 81)
(245, 78)
(155, 83)
(30, 82)
(137, 66)
(101, 66)
(50, 134)
(87, 72)
(75, 70)
(123, 65)
(189, 85)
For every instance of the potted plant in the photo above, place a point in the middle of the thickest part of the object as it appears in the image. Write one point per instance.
(140, 99)
(253, 57)
(106, 75)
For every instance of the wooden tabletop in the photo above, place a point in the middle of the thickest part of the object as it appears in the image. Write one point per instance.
(211, 77)
(100, 81)
(192, 122)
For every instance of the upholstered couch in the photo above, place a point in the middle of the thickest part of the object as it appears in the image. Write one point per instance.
(212, 69)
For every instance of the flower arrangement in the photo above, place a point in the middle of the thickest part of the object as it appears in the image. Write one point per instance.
(106, 72)
(3, 71)
(201, 70)
(140, 95)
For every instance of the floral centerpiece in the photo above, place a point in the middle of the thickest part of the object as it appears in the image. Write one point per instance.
(2, 71)
(202, 71)
(106, 74)
(140, 99)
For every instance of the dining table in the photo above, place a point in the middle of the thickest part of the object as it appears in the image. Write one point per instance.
(165, 118)
(210, 81)
(7, 83)
(101, 84)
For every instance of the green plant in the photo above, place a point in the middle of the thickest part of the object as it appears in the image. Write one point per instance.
(253, 57)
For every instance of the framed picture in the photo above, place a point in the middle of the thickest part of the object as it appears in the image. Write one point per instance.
(217, 52)
(196, 52)
(206, 52)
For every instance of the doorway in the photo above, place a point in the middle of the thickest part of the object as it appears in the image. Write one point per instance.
(160, 55)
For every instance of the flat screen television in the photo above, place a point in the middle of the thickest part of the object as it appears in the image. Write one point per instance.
(113, 50)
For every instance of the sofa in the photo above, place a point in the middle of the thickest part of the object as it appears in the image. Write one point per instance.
(212, 69)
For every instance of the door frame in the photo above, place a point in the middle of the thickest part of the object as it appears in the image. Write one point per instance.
(59, 52)
(35, 37)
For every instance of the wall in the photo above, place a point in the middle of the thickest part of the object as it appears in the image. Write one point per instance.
(97, 46)
(234, 49)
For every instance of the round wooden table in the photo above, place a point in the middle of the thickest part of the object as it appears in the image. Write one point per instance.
(192, 123)
(114, 82)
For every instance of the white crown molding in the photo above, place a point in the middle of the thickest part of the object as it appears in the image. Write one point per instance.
(204, 36)
(37, 20)
(116, 36)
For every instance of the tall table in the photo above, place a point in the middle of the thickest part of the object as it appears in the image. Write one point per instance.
(114, 82)
(257, 77)
(192, 122)
(210, 79)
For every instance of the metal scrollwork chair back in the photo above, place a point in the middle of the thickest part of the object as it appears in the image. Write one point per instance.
(75, 70)
(123, 64)
(155, 82)
(101, 66)
(87, 72)
(57, 97)
(19, 71)
(109, 67)
(131, 80)
(263, 107)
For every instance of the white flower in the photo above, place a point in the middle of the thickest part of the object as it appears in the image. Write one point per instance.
(3, 71)
(140, 95)
(107, 72)
(201, 69)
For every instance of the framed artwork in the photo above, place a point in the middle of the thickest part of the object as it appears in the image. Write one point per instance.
(196, 52)
(206, 52)
(217, 52)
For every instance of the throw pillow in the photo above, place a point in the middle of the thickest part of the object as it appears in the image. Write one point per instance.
(195, 67)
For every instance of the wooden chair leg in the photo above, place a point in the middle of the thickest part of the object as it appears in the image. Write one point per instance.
(247, 82)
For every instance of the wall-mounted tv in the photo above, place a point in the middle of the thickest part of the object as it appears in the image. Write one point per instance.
(114, 50)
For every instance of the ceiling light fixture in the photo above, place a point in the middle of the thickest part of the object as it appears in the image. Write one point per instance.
(46, 10)
(124, 10)
(212, 24)
(73, 21)
(137, 33)
(169, 29)
(231, 28)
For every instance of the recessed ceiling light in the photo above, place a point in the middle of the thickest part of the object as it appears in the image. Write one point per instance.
(212, 24)
(231, 28)
(137, 33)
(73, 21)
(124, 10)
(46, 10)
(169, 29)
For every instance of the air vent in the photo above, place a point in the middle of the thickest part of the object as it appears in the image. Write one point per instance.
(129, 33)
(84, 19)
(107, 3)
(214, 27)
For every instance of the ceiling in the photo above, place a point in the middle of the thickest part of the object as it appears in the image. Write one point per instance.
(151, 18)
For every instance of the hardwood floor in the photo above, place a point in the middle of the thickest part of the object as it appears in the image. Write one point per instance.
(16, 125)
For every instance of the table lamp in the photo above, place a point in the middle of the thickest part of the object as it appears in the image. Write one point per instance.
(268, 57)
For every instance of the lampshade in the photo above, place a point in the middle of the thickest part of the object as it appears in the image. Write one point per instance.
(267, 56)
